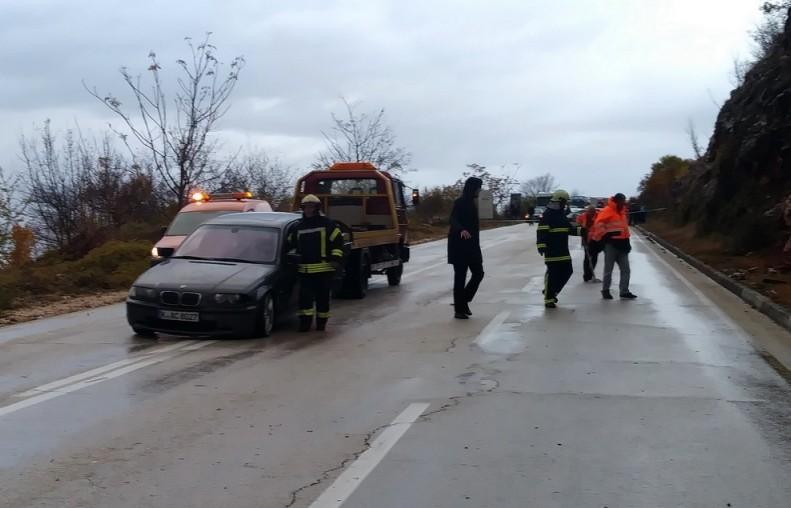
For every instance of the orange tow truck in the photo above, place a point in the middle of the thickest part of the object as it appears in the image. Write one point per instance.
(369, 207)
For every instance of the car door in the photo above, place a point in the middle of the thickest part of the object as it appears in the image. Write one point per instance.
(287, 283)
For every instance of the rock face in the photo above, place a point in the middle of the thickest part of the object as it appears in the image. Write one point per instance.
(740, 186)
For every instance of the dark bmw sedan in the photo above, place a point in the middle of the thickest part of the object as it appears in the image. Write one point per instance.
(230, 277)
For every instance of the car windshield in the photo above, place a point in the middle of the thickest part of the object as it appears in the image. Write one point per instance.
(187, 222)
(247, 244)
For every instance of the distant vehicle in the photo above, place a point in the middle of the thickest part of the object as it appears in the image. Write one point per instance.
(230, 277)
(542, 200)
(577, 205)
(201, 208)
(370, 208)
(538, 213)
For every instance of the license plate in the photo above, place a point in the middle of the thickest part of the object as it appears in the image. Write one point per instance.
(175, 315)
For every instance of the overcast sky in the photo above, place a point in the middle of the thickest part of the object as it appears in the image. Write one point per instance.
(592, 91)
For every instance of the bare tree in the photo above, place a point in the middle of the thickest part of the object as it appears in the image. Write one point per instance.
(179, 144)
(267, 178)
(538, 185)
(80, 193)
(499, 185)
(767, 34)
(10, 215)
(693, 139)
(739, 71)
(363, 138)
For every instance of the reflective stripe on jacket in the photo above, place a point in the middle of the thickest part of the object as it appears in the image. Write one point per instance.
(319, 242)
(552, 235)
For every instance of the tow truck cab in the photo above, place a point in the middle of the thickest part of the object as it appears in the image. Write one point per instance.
(201, 208)
(370, 208)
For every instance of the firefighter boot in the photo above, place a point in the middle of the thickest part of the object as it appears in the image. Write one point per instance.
(304, 323)
(321, 324)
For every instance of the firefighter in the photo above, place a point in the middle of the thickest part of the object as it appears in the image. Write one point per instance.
(612, 230)
(318, 242)
(552, 241)
(585, 220)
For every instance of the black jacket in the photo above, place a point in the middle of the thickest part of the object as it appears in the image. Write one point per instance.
(318, 241)
(552, 236)
(465, 217)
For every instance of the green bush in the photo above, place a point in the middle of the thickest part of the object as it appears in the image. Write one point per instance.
(114, 265)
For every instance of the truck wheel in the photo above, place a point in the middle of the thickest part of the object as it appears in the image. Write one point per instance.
(356, 281)
(394, 275)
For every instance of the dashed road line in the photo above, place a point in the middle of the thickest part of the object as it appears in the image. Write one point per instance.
(343, 487)
(92, 377)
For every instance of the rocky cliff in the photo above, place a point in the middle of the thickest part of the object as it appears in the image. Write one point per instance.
(740, 187)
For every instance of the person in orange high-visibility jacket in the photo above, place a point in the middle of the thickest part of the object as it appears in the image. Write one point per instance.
(586, 220)
(611, 228)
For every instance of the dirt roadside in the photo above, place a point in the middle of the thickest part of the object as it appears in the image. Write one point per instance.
(54, 305)
(767, 271)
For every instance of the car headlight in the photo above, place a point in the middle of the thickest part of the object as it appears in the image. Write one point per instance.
(154, 252)
(227, 298)
(138, 293)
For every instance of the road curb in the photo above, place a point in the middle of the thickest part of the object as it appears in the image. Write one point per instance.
(763, 304)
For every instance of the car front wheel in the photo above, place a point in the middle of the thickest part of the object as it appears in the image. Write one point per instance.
(266, 316)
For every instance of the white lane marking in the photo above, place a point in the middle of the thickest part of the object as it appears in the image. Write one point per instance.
(429, 267)
(100, 370)
(343, 487)
(697, 292)
(45, 396)
(487, 334)
(534, 284)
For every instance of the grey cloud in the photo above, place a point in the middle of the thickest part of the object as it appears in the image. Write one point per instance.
(569, 87)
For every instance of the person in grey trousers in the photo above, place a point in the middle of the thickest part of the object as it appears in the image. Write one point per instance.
(612, 230)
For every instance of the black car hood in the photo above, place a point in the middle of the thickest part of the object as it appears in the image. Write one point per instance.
(205, 276)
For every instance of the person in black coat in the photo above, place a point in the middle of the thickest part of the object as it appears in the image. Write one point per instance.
(464, 247)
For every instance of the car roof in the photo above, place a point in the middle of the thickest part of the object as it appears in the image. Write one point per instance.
(270, 219)
(222, 204)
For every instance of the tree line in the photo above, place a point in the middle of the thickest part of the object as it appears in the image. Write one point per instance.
(75, 192)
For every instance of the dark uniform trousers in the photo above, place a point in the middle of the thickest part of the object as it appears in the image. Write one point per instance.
(315, 287)
(558, 274)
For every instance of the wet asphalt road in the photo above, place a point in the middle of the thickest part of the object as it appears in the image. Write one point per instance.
(668, 401)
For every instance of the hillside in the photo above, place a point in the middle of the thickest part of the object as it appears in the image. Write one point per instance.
(740, 187)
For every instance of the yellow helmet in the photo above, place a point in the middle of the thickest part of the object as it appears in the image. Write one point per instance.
(560, 195)
(311, 199)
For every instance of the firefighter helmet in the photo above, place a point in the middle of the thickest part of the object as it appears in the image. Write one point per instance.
(560, 195)
(310, 199)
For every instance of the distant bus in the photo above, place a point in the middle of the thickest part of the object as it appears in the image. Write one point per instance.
(543, 199)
